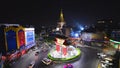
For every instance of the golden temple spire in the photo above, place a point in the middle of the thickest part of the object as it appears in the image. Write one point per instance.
(61, 21)
(61, 16)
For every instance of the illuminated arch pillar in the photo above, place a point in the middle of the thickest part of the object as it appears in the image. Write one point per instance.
(64, 50)
(57, 47)
(60, 47)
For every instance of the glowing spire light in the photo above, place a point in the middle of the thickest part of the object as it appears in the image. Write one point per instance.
(61, 22)
(61, 16)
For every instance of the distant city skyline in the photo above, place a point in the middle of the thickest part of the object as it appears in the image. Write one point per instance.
(46, 12)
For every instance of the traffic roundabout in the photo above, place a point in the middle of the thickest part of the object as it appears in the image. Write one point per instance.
(58, 56)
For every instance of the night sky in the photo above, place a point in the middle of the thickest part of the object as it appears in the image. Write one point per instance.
(46, 12)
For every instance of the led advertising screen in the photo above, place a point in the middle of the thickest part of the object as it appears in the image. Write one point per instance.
(29, 37)
(11, 40)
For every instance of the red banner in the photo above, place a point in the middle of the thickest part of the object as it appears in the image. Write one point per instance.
(21, 37)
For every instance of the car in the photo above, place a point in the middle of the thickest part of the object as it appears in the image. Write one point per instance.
(68, 66)
(46, 61)
(37, 53)
(101, 55)
(31, 65)
(35, 48)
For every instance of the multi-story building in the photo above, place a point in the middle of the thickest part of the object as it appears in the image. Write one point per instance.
(106, 25)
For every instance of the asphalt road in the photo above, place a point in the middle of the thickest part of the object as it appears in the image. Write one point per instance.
(25, 60)
(88, 59)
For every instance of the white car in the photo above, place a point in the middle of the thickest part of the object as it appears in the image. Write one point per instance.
(31, 65)
(101, 55)
(46, 61)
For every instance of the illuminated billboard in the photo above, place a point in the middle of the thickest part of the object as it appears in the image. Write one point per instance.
(11, 40)
(29, 37)
(21, 37)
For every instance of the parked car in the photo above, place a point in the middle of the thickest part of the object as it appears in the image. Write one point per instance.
(101, 55)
